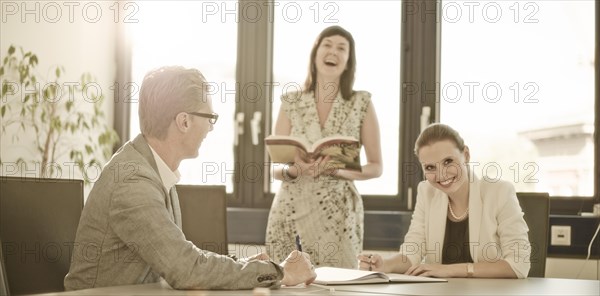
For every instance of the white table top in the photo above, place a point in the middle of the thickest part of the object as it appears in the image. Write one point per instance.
(459, 286)
(464, 286)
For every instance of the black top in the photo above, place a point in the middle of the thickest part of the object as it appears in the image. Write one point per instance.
(456, 242)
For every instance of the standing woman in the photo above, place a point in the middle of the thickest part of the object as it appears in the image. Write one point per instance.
(462, 226)
(323, 206)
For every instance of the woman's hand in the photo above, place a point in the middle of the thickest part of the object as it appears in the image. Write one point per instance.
(310, 167)
(435, 270)
(370, 262)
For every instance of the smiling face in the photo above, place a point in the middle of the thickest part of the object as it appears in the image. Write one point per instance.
(332, 56)
(445, 166)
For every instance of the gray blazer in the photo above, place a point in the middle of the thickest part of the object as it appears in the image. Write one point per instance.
(130, 233)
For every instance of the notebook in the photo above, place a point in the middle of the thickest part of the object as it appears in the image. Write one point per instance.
(345, 276)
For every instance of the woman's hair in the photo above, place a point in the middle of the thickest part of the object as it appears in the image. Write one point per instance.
(438, 132)
(166, 92)
(347, 79)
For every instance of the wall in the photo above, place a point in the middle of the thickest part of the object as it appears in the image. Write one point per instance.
(573, 268)
(81, 36)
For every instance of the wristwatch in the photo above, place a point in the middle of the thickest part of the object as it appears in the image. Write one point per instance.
(470, 270)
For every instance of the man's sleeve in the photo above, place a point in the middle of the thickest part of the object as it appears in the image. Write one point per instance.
(138, 215)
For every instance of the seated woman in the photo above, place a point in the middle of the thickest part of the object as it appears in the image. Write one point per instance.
(462, 226)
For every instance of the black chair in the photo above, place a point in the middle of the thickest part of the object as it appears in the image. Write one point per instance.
(204, 216)
(536, 209)
(38, 222)
(3, 279)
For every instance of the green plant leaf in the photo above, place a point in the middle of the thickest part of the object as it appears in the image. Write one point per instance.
(43, 109)
(55, 123)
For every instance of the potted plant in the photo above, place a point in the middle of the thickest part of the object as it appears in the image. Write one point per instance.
(54, 118)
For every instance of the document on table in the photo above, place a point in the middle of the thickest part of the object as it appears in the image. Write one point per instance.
(345, 276)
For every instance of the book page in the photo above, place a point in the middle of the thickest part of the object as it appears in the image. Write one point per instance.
(282, 149)
(333, 140)
(343, 152)
(403, 278)
(344, 276)
(287, 140)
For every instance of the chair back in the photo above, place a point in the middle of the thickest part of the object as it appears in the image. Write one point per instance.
(536, 209)
(38, 222)
(3, 279)
(204, 216)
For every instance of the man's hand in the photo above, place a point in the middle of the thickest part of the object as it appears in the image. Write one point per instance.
(297, 269)
(259, 256)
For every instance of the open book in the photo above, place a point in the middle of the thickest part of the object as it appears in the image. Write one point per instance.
(343, 151)
(345, 276)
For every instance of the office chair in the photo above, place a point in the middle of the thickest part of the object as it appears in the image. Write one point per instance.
(38, 222)
(536, 209)
(204, 216)
(3, 279)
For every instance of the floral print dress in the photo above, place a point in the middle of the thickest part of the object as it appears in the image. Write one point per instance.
(326, 212)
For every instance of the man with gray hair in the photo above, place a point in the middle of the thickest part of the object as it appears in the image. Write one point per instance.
(130, 228)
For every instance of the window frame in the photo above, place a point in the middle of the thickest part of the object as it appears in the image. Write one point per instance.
(419, 66)
(256, 194)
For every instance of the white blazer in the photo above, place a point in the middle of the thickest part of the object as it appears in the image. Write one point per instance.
(496, 226)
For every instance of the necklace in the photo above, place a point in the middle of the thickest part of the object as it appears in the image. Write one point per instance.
(454, 215)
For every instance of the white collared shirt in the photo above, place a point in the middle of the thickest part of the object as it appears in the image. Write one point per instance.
(169, 178)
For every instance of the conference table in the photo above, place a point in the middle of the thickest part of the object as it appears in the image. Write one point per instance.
(458, 286)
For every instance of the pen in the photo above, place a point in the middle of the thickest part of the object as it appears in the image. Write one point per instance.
(298, 245)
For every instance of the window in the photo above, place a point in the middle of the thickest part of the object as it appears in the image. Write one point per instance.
(517, 81)
(191, 34)
(480, 66)
(378, 65)
(204, 35)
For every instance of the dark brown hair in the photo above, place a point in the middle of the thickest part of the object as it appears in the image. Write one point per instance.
(347, 79)
(436, 132)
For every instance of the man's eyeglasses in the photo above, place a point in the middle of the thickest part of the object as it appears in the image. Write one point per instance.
(212, 117)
